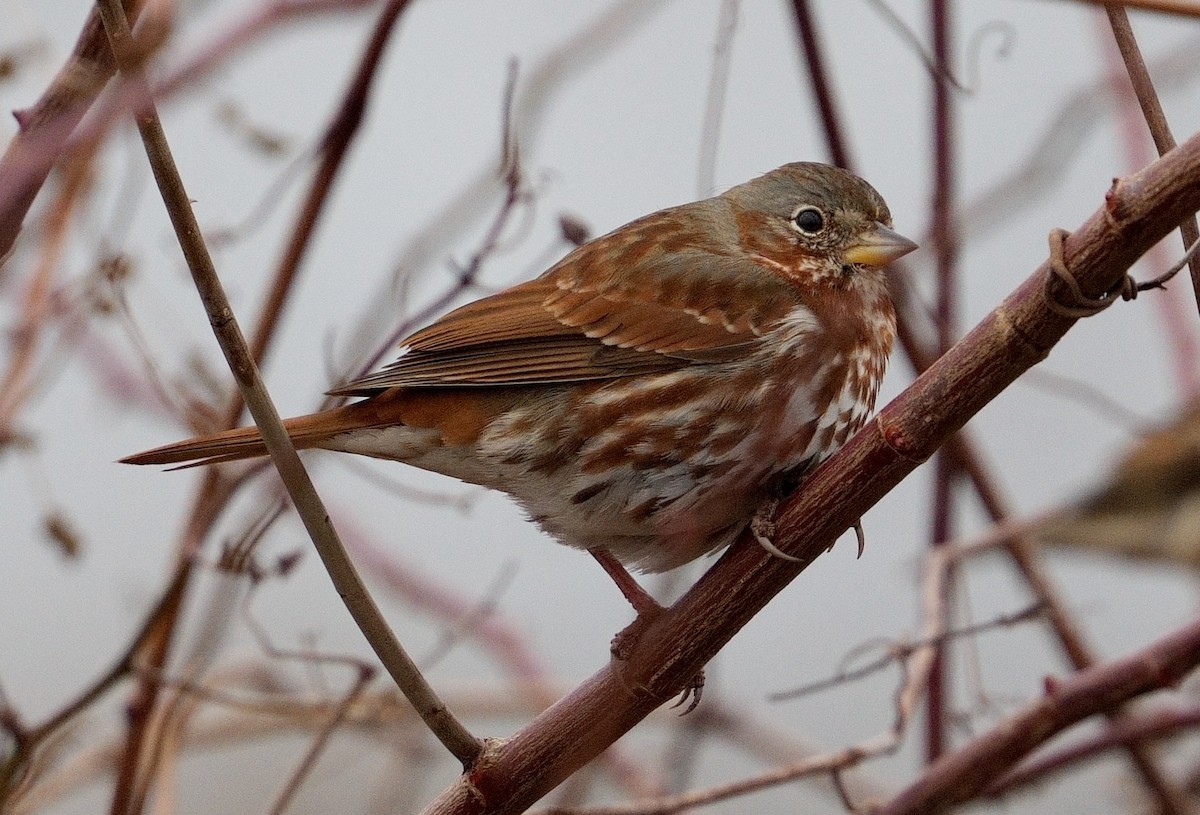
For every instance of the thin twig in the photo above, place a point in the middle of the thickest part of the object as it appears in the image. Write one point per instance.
(304, 497)
(822, 87)
(899, 651)
(334, 146)
(1156, 120)
(945, 248)
(336, 717)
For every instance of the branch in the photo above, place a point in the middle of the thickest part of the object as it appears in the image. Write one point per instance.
(241, 363)
(1157, 724)
(968, 771)
(1156, 120)
(1187, 8)
(44, 128)
(1137, 212)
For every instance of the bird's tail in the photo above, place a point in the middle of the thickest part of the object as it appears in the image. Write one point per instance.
(246, 442)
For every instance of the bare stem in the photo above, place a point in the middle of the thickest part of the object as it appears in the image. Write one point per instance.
(308, 504)
(1156, 119)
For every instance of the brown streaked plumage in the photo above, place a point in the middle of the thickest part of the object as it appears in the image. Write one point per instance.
(649, 392)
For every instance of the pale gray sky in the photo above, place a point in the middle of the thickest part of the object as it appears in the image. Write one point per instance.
(615, 138)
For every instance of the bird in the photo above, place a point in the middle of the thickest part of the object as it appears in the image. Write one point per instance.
(1149, 507)
(656, 390)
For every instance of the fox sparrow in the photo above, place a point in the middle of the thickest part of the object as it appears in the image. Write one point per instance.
(651, 391)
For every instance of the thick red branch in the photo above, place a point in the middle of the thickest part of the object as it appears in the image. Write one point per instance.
(1138, 211)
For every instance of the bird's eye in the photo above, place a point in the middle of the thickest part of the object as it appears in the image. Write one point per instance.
(808, 220)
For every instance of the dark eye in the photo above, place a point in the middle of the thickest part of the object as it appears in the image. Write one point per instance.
(808, 220)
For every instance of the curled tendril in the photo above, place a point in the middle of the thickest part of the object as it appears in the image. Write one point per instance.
(1007, 37)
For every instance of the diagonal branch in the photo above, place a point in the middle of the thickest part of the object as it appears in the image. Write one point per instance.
(964, 774)
(45, 127)
(922, 353)
(1156, 119)
(241, 363)
(1137, 212)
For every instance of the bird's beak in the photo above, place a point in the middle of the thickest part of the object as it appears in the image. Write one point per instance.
(878, 247)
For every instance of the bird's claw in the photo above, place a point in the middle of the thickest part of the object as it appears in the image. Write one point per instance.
(692, 691)
(762, 526)
(622, 646)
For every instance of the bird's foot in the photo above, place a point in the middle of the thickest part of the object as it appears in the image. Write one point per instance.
(762, 526)
(623, 643)
(692, 692)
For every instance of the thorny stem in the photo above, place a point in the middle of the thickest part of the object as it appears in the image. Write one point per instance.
(304, 497)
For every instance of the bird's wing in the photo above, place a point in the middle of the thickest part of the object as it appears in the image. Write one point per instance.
(585, 319)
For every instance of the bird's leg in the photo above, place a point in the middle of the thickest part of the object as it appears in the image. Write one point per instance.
(647, 609)
(639, 598)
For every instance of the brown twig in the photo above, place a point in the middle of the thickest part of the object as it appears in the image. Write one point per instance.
(1156, 120)
(967, 772)
(334, 146)
(304, 497)
(336, 717)
(1134, 728)
(894, 652)
(822, 88)
(364, 674)
(945, 248)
